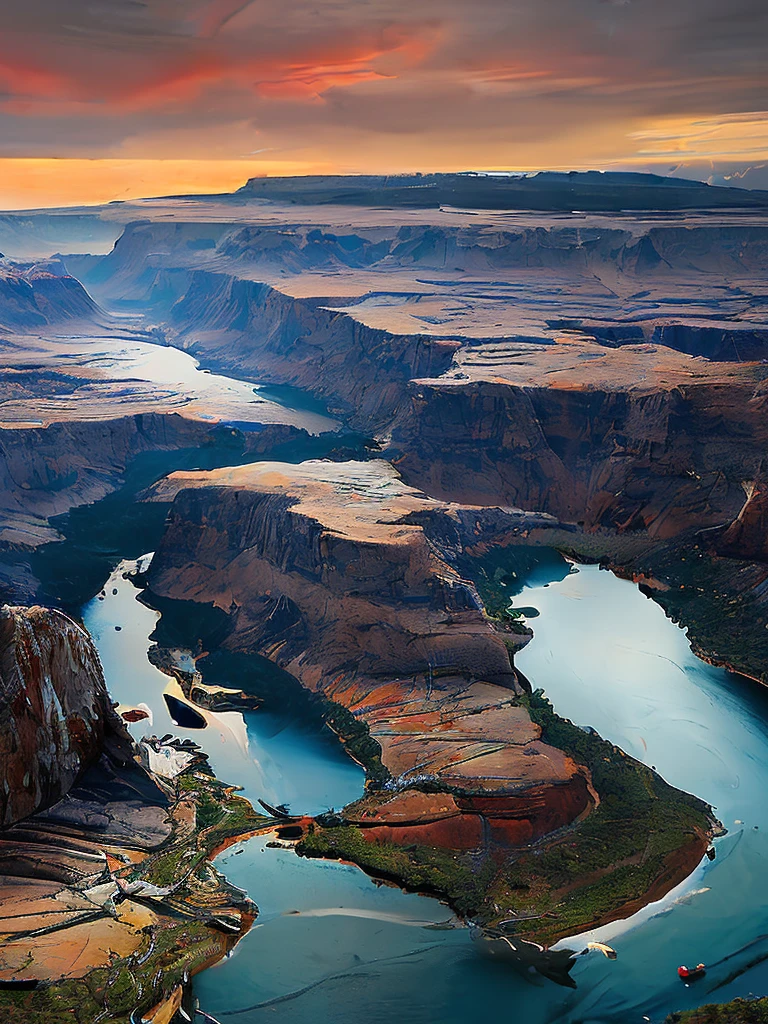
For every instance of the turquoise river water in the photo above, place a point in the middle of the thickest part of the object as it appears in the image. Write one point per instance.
(330, 945)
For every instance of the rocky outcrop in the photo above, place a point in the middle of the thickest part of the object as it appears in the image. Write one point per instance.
(331, 571)
(747, 536)
(105, 865)
(46, 470)
(33, 297)
(55, 714)
(110, 902)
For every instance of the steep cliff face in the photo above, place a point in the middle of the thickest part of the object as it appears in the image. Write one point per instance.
(323, 568)
(32, 297)
(353, 311)
(381, 242)
(630, 439)
(44, 471)
(259, 331)
(55, 713)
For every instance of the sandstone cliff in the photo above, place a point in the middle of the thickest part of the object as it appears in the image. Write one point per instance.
(56, 715)
(335, 572)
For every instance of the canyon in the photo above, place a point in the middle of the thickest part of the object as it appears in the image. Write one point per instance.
(347, 579)
(482, 382)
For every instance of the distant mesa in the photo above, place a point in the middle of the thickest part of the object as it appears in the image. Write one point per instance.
(547, 190)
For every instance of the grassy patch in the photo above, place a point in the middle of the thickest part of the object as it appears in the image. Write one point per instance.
(740, 1011)
(589, 872)
(419, 868)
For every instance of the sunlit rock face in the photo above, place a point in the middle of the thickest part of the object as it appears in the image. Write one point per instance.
(55, 713)
(637, 437)
(342, 575)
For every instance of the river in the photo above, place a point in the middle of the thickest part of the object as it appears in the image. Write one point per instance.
(330, 945)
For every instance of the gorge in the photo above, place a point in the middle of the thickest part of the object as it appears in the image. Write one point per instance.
(399, 417)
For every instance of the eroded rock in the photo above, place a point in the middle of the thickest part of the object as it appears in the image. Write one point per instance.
(55, 713)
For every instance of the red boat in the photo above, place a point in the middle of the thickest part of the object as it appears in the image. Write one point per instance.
(691, 973)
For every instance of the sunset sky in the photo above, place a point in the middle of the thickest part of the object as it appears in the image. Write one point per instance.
(111, 99)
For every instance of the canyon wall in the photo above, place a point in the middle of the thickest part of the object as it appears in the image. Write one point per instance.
(55, 712)
(35, 296)
(329, 570)
(259, 332)
(663, 460)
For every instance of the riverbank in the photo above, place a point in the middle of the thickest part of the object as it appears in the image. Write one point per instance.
(183, 914)
(721, 601)
(641, 840)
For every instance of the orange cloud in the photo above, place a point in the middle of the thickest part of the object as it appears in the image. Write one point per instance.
(132, 82)
(19, 78)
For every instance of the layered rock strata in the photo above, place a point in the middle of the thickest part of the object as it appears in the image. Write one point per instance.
(55, 713)
(329, 570)
(635, 438)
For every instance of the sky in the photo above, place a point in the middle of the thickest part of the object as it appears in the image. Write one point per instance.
(115, 99)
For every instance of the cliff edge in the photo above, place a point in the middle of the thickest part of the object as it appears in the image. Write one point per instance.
(55, 712)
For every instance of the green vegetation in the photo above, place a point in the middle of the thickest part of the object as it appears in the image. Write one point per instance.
(501, 573)
(591, 871)
(357, 739)
(617, 854)
(180, 944)
(111, 993)
(740, 1011)
(417, 868)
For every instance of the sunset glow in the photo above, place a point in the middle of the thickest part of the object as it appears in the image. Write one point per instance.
(115, 100)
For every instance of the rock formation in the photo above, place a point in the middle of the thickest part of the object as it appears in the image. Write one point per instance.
(329, 570)
(346, 578)
(56, 714)
(34, 296)
(608, 369)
